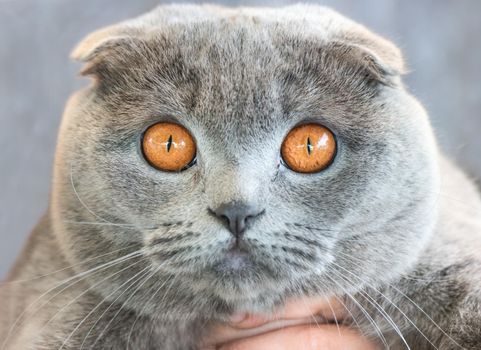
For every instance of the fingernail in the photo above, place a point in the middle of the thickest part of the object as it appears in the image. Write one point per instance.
(238, 317)
(246, 320)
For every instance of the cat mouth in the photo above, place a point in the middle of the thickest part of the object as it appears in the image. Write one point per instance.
(236, 259)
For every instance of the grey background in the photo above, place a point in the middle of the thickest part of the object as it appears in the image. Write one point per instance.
(440, 39)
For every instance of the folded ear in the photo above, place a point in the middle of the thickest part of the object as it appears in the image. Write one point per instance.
(376, 56)
(101, 45)
(85, 49)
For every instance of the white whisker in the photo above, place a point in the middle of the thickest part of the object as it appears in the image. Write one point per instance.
(100, 303)
(79, 199)
(335, 318)
(86, 291)
(123, 304)
(110, 224)
(415, 305)
(378, 307)
(429, 317)
(160, 303)
(65, 268)
(363, 310)
(81, 275)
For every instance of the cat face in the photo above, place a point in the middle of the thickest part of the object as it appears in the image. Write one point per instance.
(239, 83)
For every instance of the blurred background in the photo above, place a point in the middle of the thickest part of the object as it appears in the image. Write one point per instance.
(441, 41)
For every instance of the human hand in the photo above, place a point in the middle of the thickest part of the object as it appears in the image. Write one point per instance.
(292, 328)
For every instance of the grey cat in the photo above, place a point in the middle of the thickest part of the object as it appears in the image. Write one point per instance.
(132, 257)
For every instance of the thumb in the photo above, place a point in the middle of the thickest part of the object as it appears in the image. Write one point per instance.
(308, 337)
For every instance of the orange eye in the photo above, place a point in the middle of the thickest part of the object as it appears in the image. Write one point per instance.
(309, 148)
(168, 147)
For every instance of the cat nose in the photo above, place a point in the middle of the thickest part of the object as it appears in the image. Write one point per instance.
(236, 216)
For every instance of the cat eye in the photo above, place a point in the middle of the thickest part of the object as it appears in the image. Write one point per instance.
(169, 147)
(309, 148)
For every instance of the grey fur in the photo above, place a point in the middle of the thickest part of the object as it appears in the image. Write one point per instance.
(383, 220)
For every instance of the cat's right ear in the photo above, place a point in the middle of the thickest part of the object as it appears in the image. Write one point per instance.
(97, 48)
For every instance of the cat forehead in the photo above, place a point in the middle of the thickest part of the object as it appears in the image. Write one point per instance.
(241, 76)
(229, 66)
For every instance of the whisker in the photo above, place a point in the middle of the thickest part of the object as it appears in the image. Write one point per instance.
(459, 201)
(312, 315)
(364, 311)
(86, 291)
(314, 318)
(415, 305)
(126, 301)
(404, 276)
(335, 318)
(378, 307)
(65, 268)
(330, 233)
(82, 275)
(105, 311)
(100, 303)
(429, 317)
(349, 312)
(80, 199)
(111, 224)
(160, 303)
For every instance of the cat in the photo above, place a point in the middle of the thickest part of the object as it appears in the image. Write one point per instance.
(144, 249)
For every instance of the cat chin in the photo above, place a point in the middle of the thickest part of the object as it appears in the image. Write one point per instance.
(254, 293)
(238, 281)
(252, 300)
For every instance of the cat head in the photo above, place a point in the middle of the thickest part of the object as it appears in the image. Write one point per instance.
(237, 226)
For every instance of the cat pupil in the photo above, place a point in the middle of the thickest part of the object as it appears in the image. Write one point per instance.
(309, 146)
(169, 143)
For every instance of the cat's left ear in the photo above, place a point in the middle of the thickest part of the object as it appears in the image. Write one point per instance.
(99, 46)
(380, 59)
